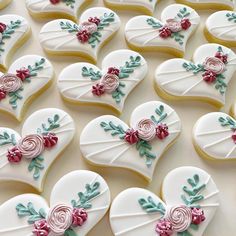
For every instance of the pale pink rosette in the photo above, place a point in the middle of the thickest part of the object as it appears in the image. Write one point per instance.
(89, 26)
(180, 217)
(60, 219)
(174, 25)
(10, 83)
(146, 129)
(214, 64)
(31, 146)
(110, 82)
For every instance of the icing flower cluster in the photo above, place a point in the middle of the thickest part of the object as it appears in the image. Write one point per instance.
(2, 29)
(146, 130)
(31, 146)
(108, 83)
(178, 219)
(59, 219)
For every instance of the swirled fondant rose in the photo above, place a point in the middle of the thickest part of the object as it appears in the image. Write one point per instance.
(214, 64)
(180, 217)
(146, 129)
(10, 83)
(110, 82)
(89, 26)
(31, 146)
(174, 25)
(59, 219)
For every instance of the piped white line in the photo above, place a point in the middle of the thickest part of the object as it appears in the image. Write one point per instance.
(120, 154)
(217, 142)
(213, 132)
(102, 142)
(76, 86)
(231, 151)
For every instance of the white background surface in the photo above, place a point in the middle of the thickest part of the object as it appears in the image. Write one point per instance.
(182, 153)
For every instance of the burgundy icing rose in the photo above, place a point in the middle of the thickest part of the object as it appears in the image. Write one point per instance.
(50, 140)
(214, 64)
(89, 27)
(14, 155)
(197, 216)
(113, 70)
(41, 228)
(162, 131)
(95, 20)
(165, 32)
(98, 89)
(209, 76)
(23, 73)
(3, 94)
(173, 25)
(131, 136)
(110, 82)
(223, 57)
(79, 216)
(2, 27)
(185, 23)
(10, 83)
(164, 227)
(234, 137)
(83, 36)
(146, 129)
(54, 1)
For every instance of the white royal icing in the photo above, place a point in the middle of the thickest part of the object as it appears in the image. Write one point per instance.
(101, 148)
(213, 138)
(73, 85)
(127, 217)
(147, 4)
(19, 171)
(221, 26)
(15, 37)
(65, 190)
(45, 6)
(43, 77)
(175, 80)
(140, 34)
(54, 39)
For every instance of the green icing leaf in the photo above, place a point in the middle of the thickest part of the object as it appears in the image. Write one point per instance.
(154, 24)
(150, 206)
(70, 232)
(227, 121)
(53, 123)
(36, 166)
(69, 27)
(183, 13)
(6, 138)
(160, 111)
(194, 68)
(30, 211)
(231, 16)
(115, 129)
(89, 72)
(70, 3)
(14, 97)
(185, 233)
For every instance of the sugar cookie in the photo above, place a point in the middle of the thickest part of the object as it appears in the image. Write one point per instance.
(26, 78)
(178, 23)
(221, 28)
(205, 79)
(14, 31)
(27, 157)
(214, 136)
(190, 200)
(145, 6)
(121, 71)
(108, 141)
(56, 8)
(78, 201)
(64, 37)
(4, 3)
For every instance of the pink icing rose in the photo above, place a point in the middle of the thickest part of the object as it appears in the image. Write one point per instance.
(209, 76)
(79, 216)
(113, 70)
(173, 25)
(234, 137)
(146, 129)
(164, 227)
(50, 140)
(110, 82)
(31, 146)
(214, 64)
(89, 27)
(197, 216)
(185, 23)
(223, 57)
(59, 219)
(14, 155)
(83, 36)
(98, 89)
(131, 136)
(162, 131)
(165, 32)
(180, 217)
(41, 228)
(23, 73)
(10, 83)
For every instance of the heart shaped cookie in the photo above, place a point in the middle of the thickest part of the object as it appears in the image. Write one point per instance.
(64, 37)
(205, 78)
(14, 31)
(121, 71)
(27, 77)
(209, 4)
(178, 22)
(221, 28)
(214, 136)
(4, 3)
(108, 141)
(27, 157)
(78, 201)
(56, 8)
(146, 6)
(190, 200)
